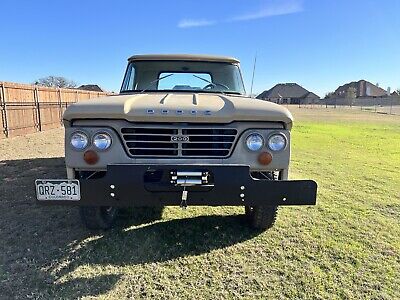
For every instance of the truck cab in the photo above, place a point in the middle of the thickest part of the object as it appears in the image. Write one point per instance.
(180, 132)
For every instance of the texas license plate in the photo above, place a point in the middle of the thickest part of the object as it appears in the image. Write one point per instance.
(57, 189)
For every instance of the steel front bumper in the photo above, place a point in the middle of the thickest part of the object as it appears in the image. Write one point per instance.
(150, 185)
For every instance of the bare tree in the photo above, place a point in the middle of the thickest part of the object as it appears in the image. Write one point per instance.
(55, 81)
(351, 93)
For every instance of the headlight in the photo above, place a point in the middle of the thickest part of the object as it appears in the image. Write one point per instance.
(254, 142)
(277, 142)
(79, 140)
(102, 141)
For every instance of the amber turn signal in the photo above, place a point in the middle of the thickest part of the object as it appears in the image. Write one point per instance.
(265, 158)
(91, 157)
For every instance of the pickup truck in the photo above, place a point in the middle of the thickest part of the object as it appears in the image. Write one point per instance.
(180, 132)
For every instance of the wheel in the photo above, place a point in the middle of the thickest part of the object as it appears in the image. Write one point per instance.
(261, 217)
(98, 217)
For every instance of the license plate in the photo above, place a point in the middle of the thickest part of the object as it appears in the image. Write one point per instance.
(57, 189)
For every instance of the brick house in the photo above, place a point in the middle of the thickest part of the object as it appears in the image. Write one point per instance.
(290, 93)
(361, 88)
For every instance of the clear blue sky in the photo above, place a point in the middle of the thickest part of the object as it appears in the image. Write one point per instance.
(318, 43)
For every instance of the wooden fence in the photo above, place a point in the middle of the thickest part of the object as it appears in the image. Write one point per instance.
(30, 108)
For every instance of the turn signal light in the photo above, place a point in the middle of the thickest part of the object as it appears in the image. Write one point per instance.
(264, 158)
(91, 157)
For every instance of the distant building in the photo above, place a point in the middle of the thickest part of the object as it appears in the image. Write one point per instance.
(394, 94)
(91, 87)
(290, 93)
(361, 88)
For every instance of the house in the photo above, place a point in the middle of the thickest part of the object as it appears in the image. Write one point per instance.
(361, 88)
(91, 87)
(290, 93)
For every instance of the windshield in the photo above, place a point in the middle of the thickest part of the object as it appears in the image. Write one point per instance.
(183, 76)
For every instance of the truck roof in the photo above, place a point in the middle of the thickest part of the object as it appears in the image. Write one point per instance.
(186, 57)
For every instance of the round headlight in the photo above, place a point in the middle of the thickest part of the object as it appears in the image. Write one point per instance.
(79, 140)
(102, 141)
(254, 142)
(277, 142)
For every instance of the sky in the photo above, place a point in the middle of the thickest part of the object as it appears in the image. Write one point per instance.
(319, 44)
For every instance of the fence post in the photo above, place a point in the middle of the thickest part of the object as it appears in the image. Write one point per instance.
(335, 102)
(37, 107)
(77, 96)
(59, 105)
(3, 110)
(391, 105)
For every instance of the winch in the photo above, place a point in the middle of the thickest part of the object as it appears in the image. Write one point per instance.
(188, 178)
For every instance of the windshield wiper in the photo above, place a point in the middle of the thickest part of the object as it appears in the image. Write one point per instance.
(213, 83)
(154, 81)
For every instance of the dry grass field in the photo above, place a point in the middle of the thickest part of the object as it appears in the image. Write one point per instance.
(346, 247)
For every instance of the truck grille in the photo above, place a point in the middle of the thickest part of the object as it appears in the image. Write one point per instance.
(174, 141)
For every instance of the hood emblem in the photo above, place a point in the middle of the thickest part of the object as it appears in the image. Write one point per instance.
(179, 138)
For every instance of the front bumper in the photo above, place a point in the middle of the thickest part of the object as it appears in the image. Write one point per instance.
(150, 185)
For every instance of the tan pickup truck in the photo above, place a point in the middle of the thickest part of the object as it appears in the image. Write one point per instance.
(180, 132)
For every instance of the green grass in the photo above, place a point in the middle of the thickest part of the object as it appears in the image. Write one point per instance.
(346, 247)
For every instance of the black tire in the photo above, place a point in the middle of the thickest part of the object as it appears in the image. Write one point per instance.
(261, 217)
(98, 217)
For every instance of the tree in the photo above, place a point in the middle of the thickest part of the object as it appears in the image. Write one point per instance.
(329, 95)
(351, 93)
(55, 81)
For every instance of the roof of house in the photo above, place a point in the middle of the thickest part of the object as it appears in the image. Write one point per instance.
(287, 90)
(186, 57)
(91, 87)
(357, 84)
(312, 95)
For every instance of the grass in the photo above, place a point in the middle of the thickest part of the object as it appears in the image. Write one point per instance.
(346, 247)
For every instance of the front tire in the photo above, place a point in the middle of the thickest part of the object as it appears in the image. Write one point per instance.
(98, 217)
(261, 217)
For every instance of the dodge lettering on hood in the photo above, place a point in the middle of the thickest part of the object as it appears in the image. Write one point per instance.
(180, 132)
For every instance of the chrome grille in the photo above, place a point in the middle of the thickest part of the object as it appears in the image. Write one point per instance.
(175, 141)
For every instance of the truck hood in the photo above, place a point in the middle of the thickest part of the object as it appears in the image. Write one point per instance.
(179, 107)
